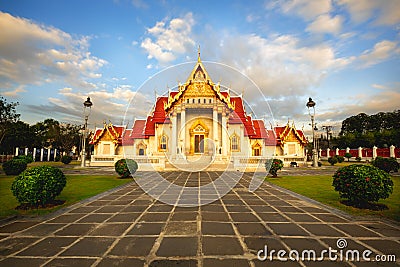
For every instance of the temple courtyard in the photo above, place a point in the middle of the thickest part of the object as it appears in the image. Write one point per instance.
(268, 227)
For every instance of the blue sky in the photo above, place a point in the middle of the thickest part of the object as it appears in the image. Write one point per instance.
(343, 53)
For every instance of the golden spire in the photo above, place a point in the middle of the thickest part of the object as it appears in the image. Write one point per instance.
(198, 54)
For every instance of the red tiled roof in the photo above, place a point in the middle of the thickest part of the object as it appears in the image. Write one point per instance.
(138, 129)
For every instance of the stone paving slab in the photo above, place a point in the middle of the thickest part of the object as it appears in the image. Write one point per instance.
(127, 227)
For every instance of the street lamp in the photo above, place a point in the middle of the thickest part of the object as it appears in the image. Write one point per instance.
(311, 104)
(86, 112)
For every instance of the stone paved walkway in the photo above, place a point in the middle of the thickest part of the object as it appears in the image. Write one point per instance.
(127, 227)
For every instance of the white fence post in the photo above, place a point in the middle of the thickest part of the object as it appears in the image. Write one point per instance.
(26, 151)
(34, 154)
(337, 152)
(392, 154)
(374, 153)
(55, 154)
(347, 149)
(360, 152)
(41, 154)
(328, 151)
(16, 151)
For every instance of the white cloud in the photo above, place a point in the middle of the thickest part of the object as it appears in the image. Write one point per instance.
(139, 4)
(385, 12)
(34, 54)
(15, 92)
(306, 9)
(326, 24)
(118, 105)
(283, 68)
(381, 51)
(169, 39)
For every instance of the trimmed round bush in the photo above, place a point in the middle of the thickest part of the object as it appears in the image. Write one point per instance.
(340, 159)
(386, 164)
(362, 183)
(126, 167)
(348, 156)
(27, 158)
(273, 166)
(333, 160)
(38, 185)
(66, 159)
(14, 166)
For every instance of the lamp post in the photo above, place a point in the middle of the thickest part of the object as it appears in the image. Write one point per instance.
(311, 104)
(86, 112)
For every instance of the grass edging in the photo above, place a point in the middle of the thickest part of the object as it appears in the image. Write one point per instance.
(82, 202)
(313, 201)
(78, 190)
(343, 210)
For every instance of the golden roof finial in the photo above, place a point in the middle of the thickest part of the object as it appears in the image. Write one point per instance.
(198, 54)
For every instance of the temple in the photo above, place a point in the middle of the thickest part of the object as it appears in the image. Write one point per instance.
(198, 126)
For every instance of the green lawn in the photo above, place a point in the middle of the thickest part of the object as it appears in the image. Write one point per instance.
(320, 188)
(78, 187)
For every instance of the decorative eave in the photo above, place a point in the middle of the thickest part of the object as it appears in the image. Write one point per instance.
(113, 133)
(172, 99)
(285, 134)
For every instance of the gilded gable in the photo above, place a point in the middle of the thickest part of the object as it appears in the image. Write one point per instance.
(292, 137)
(199, 89)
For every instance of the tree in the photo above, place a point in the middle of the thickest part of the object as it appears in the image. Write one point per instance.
(8, 116)
(68, 136)
(19, 134)
(381, 129)
(53, 134)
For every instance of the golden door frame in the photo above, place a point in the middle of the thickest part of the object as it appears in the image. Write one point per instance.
(193, 132)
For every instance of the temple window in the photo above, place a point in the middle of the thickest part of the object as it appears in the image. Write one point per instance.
(193, 100)
(204, 100)
(210, 100)
(198, 100)
(163, 142)
(188, 101)
(256, 150)
(235, 143)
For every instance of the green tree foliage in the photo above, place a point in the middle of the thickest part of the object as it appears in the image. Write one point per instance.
(362, 130)
(8, 116)
(19, 134)
(51, 133)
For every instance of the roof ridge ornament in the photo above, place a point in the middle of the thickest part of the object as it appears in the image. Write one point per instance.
(198, 54)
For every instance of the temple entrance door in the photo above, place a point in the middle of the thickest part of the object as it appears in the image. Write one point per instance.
(199, 143)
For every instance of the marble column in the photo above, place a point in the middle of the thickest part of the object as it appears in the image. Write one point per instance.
(174, 137)
(215, 129)
(183, 129)
(224, 140)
